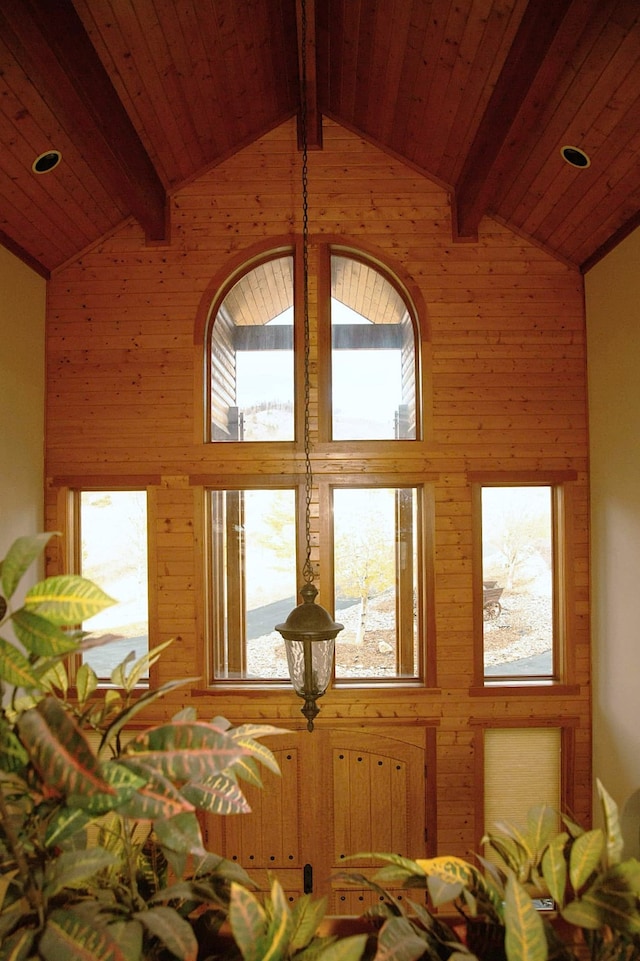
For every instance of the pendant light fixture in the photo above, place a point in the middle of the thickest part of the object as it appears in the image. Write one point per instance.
(309, 632)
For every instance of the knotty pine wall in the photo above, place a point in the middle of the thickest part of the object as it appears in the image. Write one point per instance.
(508, 393)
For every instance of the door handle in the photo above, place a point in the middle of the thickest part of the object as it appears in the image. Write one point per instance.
(307, 879)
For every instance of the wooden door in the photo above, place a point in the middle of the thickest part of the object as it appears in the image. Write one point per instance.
(340, 793)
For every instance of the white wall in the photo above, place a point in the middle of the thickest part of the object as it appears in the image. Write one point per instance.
(22, 319)
(612, 290)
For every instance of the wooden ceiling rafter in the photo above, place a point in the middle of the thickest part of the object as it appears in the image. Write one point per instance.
(535, 60)
(307, 60)
(51, 43)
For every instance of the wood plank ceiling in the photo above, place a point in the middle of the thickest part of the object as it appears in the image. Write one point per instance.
(141, 96)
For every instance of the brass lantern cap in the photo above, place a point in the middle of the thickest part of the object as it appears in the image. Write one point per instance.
(309, 620)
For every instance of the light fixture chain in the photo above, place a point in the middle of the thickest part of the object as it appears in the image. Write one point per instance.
(307, 570)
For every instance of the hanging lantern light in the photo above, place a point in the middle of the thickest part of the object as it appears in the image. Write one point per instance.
(309, 632)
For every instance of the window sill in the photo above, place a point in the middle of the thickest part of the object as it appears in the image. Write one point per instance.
(534, 687)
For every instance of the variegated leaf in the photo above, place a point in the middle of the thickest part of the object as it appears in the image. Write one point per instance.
(218, 795)
(59, 750)
(15, 669)
(615, 841)
(18, 946)
(39, 636)
(399, 941)
(67, 822)
(13, 756)
(246, 769)
(181, 834)
(280, 925)
(554, 868)
(351, 948)
(67, 936)
(72, 869)
(172, 930)
(183, 751)
(158, 798)
(306, 914)
(257, 750)
(86, 683)
(248, 923)
(67, 599)
(524, 935)
(19, 558)
(585, 856)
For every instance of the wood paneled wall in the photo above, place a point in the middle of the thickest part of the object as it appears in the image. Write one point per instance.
(508, 393)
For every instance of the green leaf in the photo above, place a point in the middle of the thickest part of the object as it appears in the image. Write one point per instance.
(582, 914)
(19, 946)
(554, 868)
(181, 834)
(67, 599)
(13, 756)
(15, 669)
(280, 925)
(306, 917)
(141, 667)
(218, 795)
(399, 941)
(53, 676)
(183, 751)
(246, 769)
(175, 933)
(86, 683)
(20, 556)
(39, 636)
(59, 750)
(586, 852)
(157, 798)
(615, 841)
(68, 936)
(525, 939)
(248, 922)
(72, 869)
(613, 898)
(348, 949)
(125, 716)
(65, 824)
(257, 750)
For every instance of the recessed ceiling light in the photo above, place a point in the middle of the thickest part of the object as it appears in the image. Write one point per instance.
(575, 156)
(46, 161)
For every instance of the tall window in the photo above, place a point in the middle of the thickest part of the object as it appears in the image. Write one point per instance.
(113, 553)
(368, 540)
(521, 542)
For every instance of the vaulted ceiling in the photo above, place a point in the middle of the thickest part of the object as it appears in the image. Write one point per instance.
(141, 96)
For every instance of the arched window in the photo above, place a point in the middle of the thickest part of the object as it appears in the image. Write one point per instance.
(251, 357)
(369, 526)
(373, 357)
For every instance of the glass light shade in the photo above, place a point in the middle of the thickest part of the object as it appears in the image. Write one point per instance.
(309, 634)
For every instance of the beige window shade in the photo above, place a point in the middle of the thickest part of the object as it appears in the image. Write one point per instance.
(521, 769)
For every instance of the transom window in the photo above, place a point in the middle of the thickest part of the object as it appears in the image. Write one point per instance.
(371, 369)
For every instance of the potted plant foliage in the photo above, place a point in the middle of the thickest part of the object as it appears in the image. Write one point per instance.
(101, 853)
(546, 896)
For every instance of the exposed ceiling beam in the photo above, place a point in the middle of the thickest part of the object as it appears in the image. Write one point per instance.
(307, 61)
(49, 41)
(526, 80)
